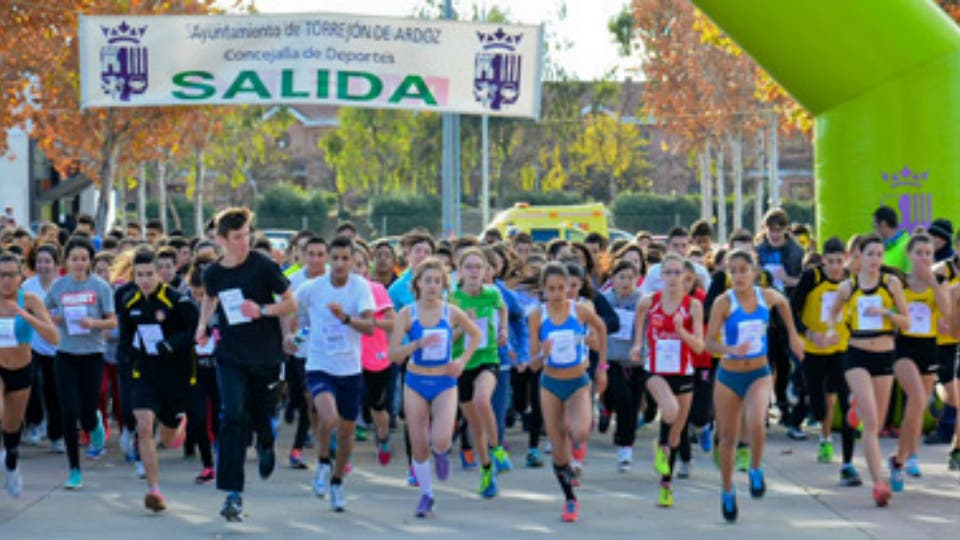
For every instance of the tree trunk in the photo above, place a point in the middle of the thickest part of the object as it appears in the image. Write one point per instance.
(721, 199)
(613, 187)
(706, 183)
(758, 182)
(774, 163)
(198, 197)
(142, 197)
(736, 158)
(162, 193)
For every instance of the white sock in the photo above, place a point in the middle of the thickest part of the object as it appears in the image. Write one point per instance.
(423, 472)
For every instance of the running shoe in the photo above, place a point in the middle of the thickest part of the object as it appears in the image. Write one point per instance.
(206, 476)
(548, 447)
(849, 477)
(912, 466)
(604, 423)
(488, 483)
(743, 458)
(501, 460)
(661, 460)
(232, 508)
(758, 486)
(881, 493)
(296, 460)
(577, 468)
(728, 505)
(425, 506)
(683, 469)
(384, 453)
(75, 480)
(13, 480)
(579, 451)
(95, 452)
(706, 439)
(534, 459)
(33, 436)
(412, 478)
(825, 453)
(796, 434)
(852, 419)
(666, 495)
(126, 446)
(267, 461)
(58, 446)
(571, 511)
(83, 438)
(953, 461)
(140, 470)
(321, 480)
(896, 475)
(467, 460)
(441, 464)
(338, 498)
(154, 500)
(360, 434)
(98, 435)
(624, 458)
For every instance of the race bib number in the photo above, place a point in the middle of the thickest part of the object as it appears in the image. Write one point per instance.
(826, 306)
(563, 352)
(627, 318)
(435, 352)
(484, 325)
(7, 336)
(667, 355)
(752, 332)
(150, 336)
(869, 322)
(775, 269)
(208, 349)
(231, 300)
(73, 315)
(921, 318)
(335, 338)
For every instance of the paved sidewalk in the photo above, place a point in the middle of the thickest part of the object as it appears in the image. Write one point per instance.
(803, 500)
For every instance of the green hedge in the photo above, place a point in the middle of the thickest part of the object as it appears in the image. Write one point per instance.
(287, 206)
(397, 214)
(633, 211)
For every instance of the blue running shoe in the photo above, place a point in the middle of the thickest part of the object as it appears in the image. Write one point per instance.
(706, 439)
(896, 475)
(757, 484)
(728, 505)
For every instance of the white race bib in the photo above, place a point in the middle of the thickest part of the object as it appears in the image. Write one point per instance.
(752, 332)
(150, 335)
(434, 352)
(73, 315)
(773, 268)
(868, 322)
(484, 327)
(826, 305)
(208, 349)
(8, 337)
(563, 351)
(231, 300)
(921, 318)
(668, 356)
(335, 338)
(627, 318)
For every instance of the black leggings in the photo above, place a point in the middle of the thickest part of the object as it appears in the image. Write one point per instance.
(296, 393)
(626, 388)
(51, 397)
(205, 396)
(526, 392)
(78, 383)
(823, 374)
(780, 363)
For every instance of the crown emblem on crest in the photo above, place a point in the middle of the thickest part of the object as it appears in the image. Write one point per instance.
(499, 40)
(905, 177)
(123, 32)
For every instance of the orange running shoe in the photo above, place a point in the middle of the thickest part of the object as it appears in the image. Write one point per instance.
(571, 511)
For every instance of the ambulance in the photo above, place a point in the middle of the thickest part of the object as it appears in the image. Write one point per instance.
(544, 223)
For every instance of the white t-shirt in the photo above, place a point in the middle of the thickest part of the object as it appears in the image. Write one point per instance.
(332, 346)
(40, 345)
(653, 283)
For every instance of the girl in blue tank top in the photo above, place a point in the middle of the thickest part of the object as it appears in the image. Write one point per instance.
(737, 332)
(430, 384)
(557, 333)
(21, 314)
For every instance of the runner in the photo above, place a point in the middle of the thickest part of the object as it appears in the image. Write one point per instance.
(484, 305)
(948, 429)
(375, 357)
(430, 390)
(241, 287)
(741, 317)
(558, 348)
(81, 305)
(873, 305)
(22, 315)
(337, 307)
(674, 332)
(823, 363)
(206, 393)
(159, 324)
(928, 300)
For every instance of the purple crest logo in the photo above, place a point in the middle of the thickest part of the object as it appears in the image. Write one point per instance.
(496, 70)
(915, 206)
(123, 62)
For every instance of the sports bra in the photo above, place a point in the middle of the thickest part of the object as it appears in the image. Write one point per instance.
(741, 326)
(567, 349)
(431, 355)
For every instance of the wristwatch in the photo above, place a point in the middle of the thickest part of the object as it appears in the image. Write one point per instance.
(263, 311)
(346, 320)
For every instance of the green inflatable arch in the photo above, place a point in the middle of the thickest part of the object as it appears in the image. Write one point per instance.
(882, 80)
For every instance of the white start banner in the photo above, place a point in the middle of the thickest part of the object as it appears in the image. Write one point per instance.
(348, 60)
